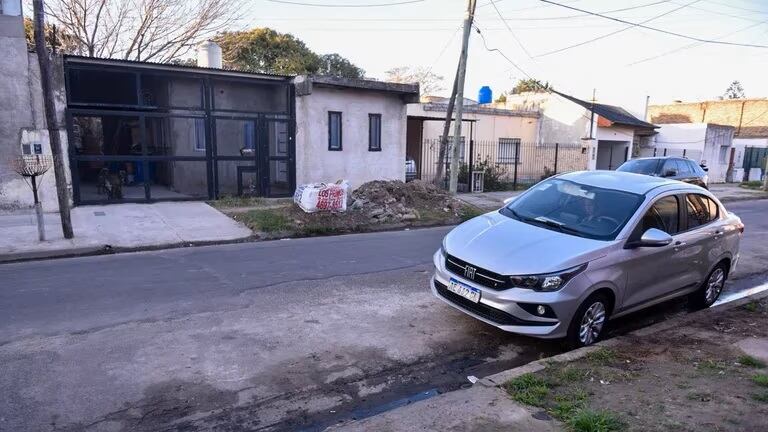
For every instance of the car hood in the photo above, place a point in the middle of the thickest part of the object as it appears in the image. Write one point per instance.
(507, 246)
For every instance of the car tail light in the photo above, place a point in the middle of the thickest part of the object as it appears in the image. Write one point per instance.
(740, 227)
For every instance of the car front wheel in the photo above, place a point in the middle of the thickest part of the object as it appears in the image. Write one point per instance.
(588, 322)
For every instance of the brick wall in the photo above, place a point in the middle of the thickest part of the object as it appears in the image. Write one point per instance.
(748, 116)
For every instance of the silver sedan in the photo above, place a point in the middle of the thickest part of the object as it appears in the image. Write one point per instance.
(582, 247)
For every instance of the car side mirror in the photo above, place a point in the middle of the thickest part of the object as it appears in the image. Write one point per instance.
(705, 168)
(670, 173)
(653, 237)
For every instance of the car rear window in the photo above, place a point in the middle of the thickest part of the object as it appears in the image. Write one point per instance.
(640, 166)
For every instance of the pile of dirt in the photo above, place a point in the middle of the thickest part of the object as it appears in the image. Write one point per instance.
(395, 200)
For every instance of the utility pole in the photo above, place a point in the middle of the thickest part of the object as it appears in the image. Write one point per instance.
(51, 119)
(468, 19)
(647, 103)
(444, 136)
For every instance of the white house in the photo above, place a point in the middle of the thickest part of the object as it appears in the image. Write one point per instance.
(707, 144)
(608, 132)
(351, 129)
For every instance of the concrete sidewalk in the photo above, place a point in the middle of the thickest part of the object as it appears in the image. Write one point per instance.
(486, 406)
(117, 226)
(726, 192)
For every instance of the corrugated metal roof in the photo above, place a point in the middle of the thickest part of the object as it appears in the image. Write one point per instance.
(76, 59)
(613, 113)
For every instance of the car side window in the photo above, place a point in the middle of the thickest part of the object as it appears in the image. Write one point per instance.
(694, 168)
(662, 215)
(683, 169)
(669, 168)
(701, 210)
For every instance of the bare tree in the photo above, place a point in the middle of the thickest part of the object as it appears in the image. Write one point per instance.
(429, 82)
(149, 30)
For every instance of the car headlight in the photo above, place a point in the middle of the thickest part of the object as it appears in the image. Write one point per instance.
(546, 282)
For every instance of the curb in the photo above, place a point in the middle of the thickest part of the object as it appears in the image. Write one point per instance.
(500, 378)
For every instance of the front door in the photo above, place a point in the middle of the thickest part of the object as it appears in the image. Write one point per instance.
(254, 157)
(277, 158)
(653, 272)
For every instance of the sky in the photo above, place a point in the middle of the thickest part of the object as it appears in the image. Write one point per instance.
(622, 68)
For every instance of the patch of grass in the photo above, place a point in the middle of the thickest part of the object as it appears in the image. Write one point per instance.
(755, 184)
(468, 212)
(603, 356)
(761, 397)
(230, 201)
(587, 420)
(710, 365)
(752, 362)
(752, 306)
(760, 379)
(569, 374)
(567, 405)
(271, 220)
(528, 389)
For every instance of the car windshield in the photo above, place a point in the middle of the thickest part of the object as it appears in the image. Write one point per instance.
(575, 209)
(640, 166)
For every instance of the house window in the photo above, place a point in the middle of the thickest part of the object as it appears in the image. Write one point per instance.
(200, 134)
(249, 136)
(508, 151)
(334, 130)
(374, 132)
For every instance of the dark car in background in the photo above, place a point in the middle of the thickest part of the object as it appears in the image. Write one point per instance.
(676, 168)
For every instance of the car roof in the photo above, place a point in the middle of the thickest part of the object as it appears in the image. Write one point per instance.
(660, 157)
(619, 180)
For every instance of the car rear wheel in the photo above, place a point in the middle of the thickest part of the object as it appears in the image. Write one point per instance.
(710, 290)
(588, 323)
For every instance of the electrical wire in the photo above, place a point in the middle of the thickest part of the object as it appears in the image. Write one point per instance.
(582, 15)
(694, 44)
(498, 12)
(615, 32)
(667, 32)
(367, 5)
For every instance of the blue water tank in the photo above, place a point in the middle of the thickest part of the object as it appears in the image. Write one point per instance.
(485, 95)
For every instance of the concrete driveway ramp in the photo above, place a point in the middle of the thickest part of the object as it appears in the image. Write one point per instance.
(479, 408)
(755, 347)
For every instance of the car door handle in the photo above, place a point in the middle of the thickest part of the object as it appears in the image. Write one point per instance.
(718, 234)
(679, 244)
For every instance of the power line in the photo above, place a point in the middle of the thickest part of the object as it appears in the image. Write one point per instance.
(671, 33)
(297, 3)
(582, 15)
(694, 44)
(737, 7)
(616, 32)
(498, 12)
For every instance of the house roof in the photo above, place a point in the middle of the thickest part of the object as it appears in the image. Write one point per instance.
(483, 110)
(363, 84)
(82, 60)
(615, 114)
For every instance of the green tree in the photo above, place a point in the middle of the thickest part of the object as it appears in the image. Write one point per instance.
(63, 41)
(502, 98)
(269, 51)
(734, 91)
(336, 65)
(530, 85)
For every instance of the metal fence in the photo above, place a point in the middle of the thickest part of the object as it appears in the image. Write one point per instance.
(695, 155)
(505, 164)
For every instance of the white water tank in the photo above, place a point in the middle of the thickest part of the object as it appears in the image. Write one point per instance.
(209, 55)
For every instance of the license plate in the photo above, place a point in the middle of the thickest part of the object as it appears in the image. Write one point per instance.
(466, 291)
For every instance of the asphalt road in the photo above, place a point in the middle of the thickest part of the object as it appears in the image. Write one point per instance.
(284, 335)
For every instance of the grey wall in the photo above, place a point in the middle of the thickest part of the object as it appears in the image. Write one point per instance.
(21, 115)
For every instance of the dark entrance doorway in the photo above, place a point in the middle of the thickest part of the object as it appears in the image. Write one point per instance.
(141, 132)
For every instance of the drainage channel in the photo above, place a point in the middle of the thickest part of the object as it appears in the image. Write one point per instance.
(453, 374)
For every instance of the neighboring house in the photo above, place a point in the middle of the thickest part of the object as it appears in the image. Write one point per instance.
(351, 129)
(705, 143)
(748, 117)
(173, 132)
(496, 134)
(609, 134)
